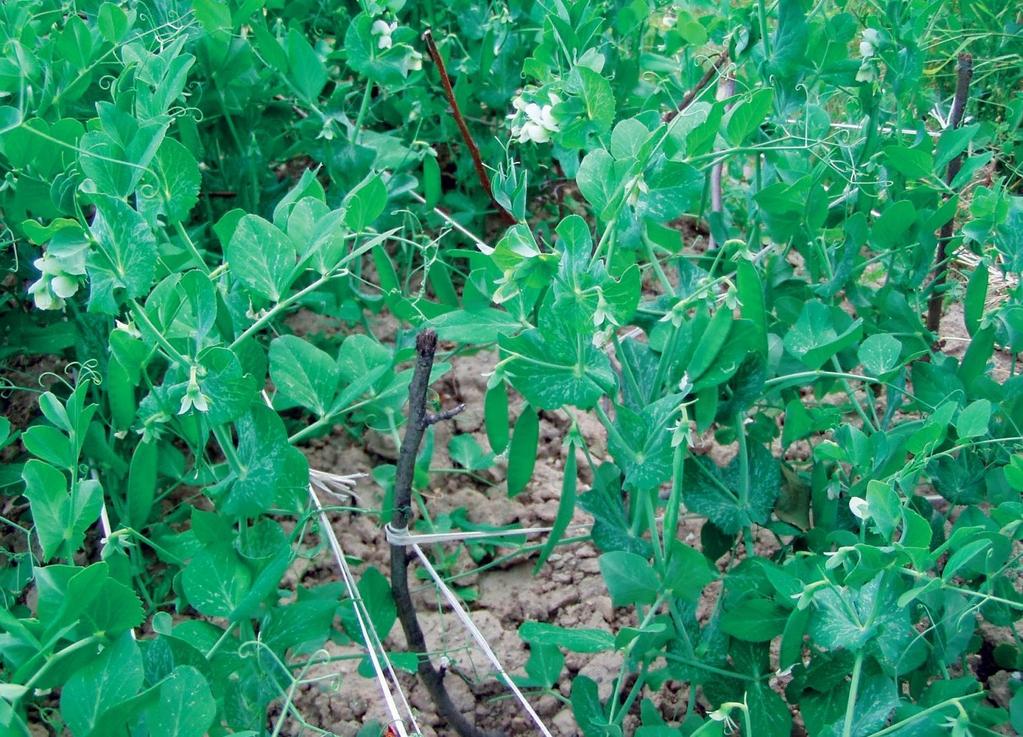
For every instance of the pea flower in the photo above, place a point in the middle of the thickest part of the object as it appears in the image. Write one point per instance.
(412, 62)
(532, 121)
(869, 43)
(194, 396)
(859, 507)
(58, 280)
(383, 29)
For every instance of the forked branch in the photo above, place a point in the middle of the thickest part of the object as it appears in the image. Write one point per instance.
(418, 420)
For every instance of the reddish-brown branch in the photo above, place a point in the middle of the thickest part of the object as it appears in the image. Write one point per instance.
(939, 273)
(692, 94)
(474, 150)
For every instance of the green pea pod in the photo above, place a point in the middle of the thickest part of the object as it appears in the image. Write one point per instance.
(120, 396)
(566, 506)
(141, 483)
(495, 417)
(522, 451)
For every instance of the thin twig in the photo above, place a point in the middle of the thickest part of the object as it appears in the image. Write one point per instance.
(418, 420)
(692, 94)
(474, 151)
(964, 73)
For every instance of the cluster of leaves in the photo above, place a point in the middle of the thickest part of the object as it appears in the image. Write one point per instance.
(180, 177)
(160, 476)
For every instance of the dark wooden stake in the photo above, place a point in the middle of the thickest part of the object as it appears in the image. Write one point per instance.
(692, 94)
(418, 420)
(474, 151)
(939, 272)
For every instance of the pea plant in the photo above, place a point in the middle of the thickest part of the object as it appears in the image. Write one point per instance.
(772, 248)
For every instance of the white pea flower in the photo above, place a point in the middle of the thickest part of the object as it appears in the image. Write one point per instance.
(413, 61)
(635, 188)
(869, 43)
(383, 29)
(859, 507)
(57, 281)
(532, 121)
(194, 396)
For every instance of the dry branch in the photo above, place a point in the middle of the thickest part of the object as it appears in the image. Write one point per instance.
(418, 420)
(474, 151)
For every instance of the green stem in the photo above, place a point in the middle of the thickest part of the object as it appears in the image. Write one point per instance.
(744, 480)
(675, 499)
(762, 12)
(363, 108)
(850, 706)
(627, 372)
(172, 353)
(612, 431)
(56, 658)
(652, 258)
(220, 641)
(857, 405)
(278, 308)
(190, 244)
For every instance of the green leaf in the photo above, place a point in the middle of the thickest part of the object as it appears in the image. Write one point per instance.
(748, 115)
(216, 581)
(60, 519)
(262, 257)
(175, 186)
(576, 640)
(305, 68)
(475, 326)
(627, 138)
(49, 444)
(688, 572)
(544, 665)
(365, 202)
(589, 711)
(230, 391)
(889, 231)
(555, 366)
(755, 619)
(186, 707)
(912, 163)
(522, 451)
(884, 506)
(597, 179)
(629, 577)
(880, 353)
(104, 682)
(821, 332)
(467, 453)
(273, 472)
(716, 492)
(303, 373)
(597, 96)
(124, 257)
(976, 299)
(973, 419)
(642, 444)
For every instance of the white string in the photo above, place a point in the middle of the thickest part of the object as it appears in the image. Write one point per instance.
(467, 622)
(404, 538)
(369, 633)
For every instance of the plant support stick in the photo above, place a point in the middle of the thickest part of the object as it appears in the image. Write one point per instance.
(418, 420)
(474, 150)
(964, 73)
